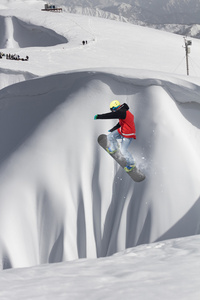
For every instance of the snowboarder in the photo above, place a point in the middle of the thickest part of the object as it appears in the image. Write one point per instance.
(124, 130)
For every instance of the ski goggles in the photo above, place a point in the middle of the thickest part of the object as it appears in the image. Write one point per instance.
(114, 108)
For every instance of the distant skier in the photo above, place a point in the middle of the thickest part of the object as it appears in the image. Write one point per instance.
(124, 130)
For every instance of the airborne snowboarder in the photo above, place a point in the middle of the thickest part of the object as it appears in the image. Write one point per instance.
(124, 130)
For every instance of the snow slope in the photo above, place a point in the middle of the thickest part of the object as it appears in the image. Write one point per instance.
(165, 270)
(61, 196)
(107, 41)
(154, 11)
(178, 16)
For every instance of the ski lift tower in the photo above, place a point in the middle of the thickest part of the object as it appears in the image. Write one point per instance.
(187, 51)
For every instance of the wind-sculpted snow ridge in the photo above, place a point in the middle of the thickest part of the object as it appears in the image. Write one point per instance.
(62, 197)
(8, 77)
(15, 33)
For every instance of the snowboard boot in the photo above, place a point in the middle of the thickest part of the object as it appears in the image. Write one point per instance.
(129, 168)
(111, 151)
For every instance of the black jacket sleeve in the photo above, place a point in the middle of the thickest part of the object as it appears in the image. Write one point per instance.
(115, 127)
(118, 114)
(113, 115)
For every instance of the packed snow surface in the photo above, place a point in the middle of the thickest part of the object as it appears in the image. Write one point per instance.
(63, 200)
(164, 270)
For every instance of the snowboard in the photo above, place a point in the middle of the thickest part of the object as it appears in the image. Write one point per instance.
(135, 174)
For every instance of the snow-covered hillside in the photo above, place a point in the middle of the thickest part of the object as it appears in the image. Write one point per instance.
(154, 11)
(178, 16)
(141, 50)
(61, 196)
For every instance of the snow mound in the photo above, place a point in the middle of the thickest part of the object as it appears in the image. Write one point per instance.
(62, 197)
(9, 77)
(15, 33)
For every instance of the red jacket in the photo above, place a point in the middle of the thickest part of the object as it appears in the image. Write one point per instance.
(127, 126)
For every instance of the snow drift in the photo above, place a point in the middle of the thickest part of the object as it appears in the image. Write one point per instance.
(62, 197)
(14, 33)
(9, 77)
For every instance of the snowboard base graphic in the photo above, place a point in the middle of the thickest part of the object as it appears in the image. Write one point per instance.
(135, 174)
